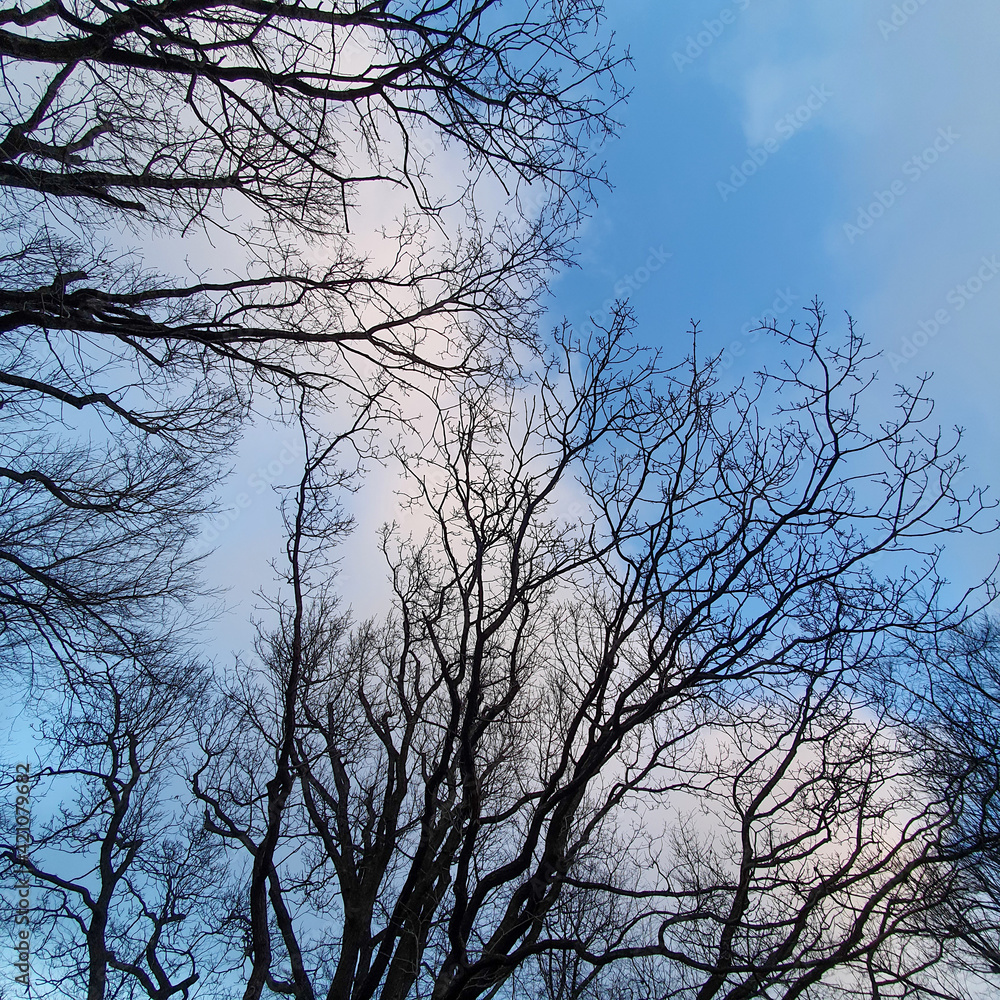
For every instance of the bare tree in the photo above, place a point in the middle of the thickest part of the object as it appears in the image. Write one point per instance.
(92, 541)
(616, 734)
(181, 114)
(254, 129)
(125, 881)
(627, 753)
(947, 699)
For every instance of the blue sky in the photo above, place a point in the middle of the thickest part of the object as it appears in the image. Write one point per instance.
(758, 138)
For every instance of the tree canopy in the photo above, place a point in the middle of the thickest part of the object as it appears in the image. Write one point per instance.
(136, 130)
(669, 698)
